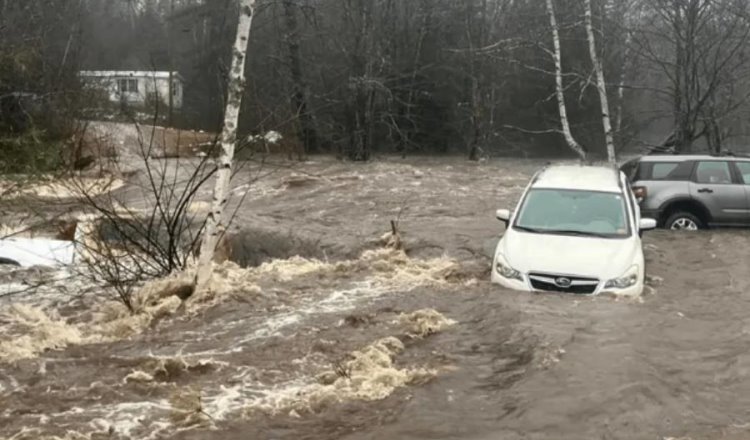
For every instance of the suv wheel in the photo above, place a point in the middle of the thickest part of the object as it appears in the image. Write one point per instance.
(683, 221)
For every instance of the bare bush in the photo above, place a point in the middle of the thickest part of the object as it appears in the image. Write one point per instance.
(148, 231)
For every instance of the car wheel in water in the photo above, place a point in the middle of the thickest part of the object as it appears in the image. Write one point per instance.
(683, 221)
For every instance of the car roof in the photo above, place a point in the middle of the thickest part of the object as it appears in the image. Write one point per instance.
(686, 157)
(579, 177)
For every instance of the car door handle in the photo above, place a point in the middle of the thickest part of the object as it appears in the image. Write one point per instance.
(705, 190)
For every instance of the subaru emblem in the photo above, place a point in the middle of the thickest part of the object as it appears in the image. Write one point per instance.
(562, 282)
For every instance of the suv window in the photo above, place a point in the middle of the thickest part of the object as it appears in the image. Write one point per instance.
(662, 170)
(713, 172)
(744, 168)
(665, 170)
(683, 171)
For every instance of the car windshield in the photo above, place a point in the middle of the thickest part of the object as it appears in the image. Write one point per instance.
(573, 212)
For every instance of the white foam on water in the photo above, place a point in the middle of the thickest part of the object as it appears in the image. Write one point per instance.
(227, 401)
(372, 375)
(230, 401)
(335, 302)
(383, 272)
(47, 290)
(127, 419)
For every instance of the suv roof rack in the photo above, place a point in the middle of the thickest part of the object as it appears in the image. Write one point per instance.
(660, 150)
(669, 151)
(730, 153)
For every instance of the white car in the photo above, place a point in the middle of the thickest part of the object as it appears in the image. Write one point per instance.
(577, 230)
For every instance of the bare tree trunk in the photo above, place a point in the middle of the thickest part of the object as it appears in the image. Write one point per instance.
(170, 89)
(557, 55)
(476, 112)
(681, 82)
(601, 86)
(713, 136)
(476, 115)
(215, 227)
(621, 87)
(627, 62)
(300, 105)
(406, 113)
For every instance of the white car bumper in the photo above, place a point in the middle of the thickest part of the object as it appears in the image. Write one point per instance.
(525, 286)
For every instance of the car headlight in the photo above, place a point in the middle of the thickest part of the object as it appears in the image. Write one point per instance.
(628, 279)
(504, 270)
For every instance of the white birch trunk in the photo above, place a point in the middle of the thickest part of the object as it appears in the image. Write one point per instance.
(600, 86)
(621, 87)
(215, 226)
(557, 55)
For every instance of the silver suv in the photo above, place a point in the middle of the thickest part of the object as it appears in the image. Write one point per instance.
(692, 192)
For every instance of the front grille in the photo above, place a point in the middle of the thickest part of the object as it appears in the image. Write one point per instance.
(562, 283)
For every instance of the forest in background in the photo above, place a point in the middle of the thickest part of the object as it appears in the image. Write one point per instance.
(358, 77)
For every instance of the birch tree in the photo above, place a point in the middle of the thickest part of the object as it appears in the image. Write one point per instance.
(557, 56)
(215, 224)
(600, 85)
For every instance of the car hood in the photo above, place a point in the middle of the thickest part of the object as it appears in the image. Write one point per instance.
(593, 257)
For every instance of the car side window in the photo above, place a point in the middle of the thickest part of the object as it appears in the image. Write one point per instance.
(682, 170)
(744, 168)
(713, 172)
(662, 170)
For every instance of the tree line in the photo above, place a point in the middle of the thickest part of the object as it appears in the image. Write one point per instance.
(359, 77)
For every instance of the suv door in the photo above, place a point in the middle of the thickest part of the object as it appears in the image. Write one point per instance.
(714, 185)
(743, 169)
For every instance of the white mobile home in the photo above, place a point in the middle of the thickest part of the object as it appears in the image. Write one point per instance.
(136, 87)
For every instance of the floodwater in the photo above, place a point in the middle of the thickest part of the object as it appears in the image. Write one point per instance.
(354, 341)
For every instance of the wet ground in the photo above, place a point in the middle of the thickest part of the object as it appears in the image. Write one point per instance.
(305, 349)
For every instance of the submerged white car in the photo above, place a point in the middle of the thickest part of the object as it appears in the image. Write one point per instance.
(576, 230)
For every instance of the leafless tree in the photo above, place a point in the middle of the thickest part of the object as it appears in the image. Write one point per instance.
(216, 224)
(700, 48)
(148, 232)
(307, 132)
(360, 77)
(559, 90)
(601, 86)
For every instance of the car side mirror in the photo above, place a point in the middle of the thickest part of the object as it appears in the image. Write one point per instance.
(503, 215)
(647, 224)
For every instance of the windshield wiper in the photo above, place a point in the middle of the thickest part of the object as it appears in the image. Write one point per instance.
(576, 232)
(563, 232)
(528, 229)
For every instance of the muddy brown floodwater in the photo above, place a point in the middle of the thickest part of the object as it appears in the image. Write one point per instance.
(352, 341)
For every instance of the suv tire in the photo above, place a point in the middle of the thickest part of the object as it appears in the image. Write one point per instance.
(683, 221)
